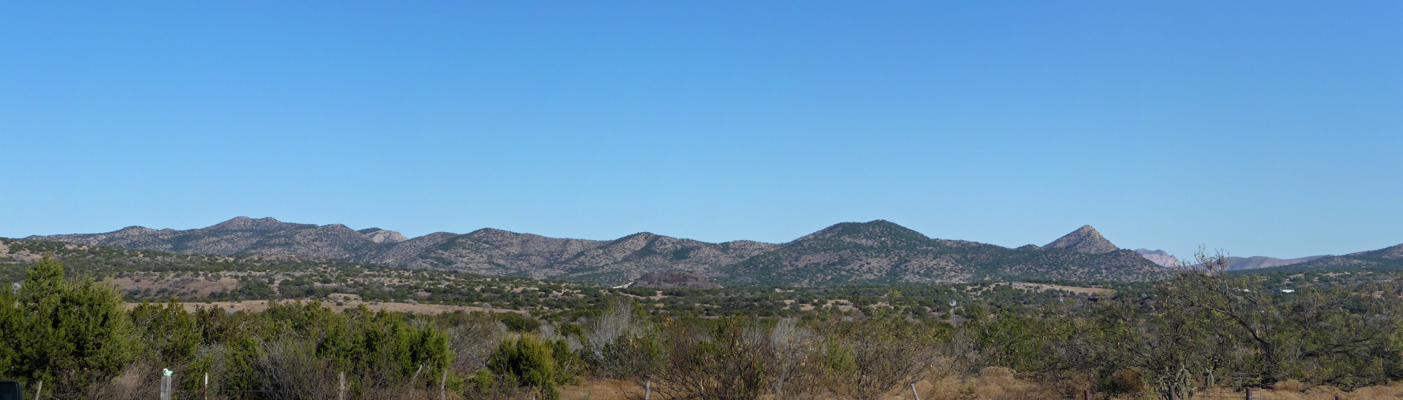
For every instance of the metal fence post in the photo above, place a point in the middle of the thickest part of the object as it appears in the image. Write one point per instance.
(38, 390)
(913, 392)
(165, 384)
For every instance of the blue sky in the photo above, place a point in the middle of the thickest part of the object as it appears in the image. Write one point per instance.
(1262, 128)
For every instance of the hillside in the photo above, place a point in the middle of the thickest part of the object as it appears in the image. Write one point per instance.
(881, 252)
(877, 252)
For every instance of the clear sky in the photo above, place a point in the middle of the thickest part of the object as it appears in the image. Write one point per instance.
(1261, 128)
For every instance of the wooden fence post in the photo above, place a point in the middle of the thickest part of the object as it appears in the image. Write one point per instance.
(647, 390)
(441, 382)
(913, 392)
(341, 386)
(1249, 393)
(1086, 395)
(1172, 395)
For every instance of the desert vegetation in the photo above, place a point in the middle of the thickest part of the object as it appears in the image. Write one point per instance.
(1202, 332)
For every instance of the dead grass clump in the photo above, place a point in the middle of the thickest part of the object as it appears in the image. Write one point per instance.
(1325, 392)
(134, 383)
(997, 383)
(1128, 381)
(1393, 391)
(1290, 385)
(947, 388)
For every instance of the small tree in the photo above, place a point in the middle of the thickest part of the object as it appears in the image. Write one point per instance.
(71, 333)
(530, 360)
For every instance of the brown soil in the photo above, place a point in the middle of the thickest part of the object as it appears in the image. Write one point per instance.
(349, 301)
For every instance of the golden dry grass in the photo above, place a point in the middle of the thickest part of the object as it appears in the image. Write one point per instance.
(1002, 384)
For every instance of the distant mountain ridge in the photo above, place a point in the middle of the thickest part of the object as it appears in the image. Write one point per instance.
(881, 252)
(1385, 258)
(1258, 262)
(846, 253)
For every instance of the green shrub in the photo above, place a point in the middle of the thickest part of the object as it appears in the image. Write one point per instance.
(530, 360)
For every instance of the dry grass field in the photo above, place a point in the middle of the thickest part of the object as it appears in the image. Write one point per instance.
(346, 301)
(1001, 384)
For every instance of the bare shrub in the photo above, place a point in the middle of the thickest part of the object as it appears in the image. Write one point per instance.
(134, 383)
(289, 369)
(472, 343)
(790, 348)
(617, 346)
(1128, 381)
(726, 362)
(868, 359)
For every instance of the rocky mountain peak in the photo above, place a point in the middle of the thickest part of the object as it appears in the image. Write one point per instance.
(250, 224)
(1085, 239)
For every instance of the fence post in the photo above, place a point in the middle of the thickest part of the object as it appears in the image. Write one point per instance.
(1172, 395)
(206, 386)
(38, 390)
(1249, 393)
(647, 389)
(913, 392)
(341, 386)
(165, 384)
(1085, 395)
(441, 382)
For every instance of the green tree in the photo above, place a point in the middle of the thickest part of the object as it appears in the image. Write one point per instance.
(72, 333)
(530, 360)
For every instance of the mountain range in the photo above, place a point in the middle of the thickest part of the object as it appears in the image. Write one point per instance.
(876, 252)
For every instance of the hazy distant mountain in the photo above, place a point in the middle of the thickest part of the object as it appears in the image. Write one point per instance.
(1241, 263)
(1387, 258)
(872, 252)
(1085, 239)
(1159, 257)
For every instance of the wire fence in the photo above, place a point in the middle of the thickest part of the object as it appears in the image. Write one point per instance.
(638, 393)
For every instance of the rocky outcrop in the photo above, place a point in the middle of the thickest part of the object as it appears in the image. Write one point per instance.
(378, 235)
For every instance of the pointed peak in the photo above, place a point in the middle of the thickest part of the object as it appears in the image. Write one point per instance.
(1085, 239)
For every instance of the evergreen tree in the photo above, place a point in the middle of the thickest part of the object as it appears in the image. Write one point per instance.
(69, 333)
